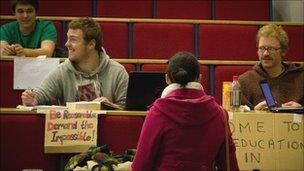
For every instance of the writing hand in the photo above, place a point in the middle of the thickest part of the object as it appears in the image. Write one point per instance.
(28, 98)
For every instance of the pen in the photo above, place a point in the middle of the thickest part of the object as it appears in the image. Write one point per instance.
(30, 89)
(32, 92)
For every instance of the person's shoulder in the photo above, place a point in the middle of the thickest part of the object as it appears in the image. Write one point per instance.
(45, 23)
(9, 31)
(66, 64)
(111, 65)
(10, 25)
(116, 65)
(247, 74)
(154, 111)
(294, 66)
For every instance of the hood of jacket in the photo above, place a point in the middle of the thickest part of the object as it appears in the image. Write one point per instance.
(187, 106)
(88, 81)
(289, 67)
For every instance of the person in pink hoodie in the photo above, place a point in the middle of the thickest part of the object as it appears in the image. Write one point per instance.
(185, 128)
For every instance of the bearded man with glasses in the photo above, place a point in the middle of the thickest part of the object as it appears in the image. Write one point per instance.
(286, 79)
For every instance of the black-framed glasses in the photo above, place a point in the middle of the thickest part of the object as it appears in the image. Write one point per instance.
(262, 49)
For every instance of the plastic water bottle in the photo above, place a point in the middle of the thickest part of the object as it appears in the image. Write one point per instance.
(235, 94)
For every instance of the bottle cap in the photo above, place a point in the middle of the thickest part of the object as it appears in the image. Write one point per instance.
(235, 77)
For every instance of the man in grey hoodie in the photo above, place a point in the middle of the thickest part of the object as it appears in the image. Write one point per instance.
(88, 73)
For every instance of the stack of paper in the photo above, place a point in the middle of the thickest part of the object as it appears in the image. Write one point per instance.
(40, 107)
(93, 105)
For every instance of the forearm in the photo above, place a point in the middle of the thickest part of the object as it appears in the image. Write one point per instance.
(2, 53)
(38, 52)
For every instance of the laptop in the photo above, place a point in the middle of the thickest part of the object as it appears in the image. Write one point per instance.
(143, 89)
(271, 102)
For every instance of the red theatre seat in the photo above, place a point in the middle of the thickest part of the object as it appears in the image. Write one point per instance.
(115, 39)
(162, 67)
(161, 40)
(124, 9)
(114, 132)
(227, 42)
(190, 9)
(65, 8)
(5, 7)
(2, 22)
(8, 96)
(242, 10)
(22, 143)
(295, 51)
(59, 34)
(129, 67)
(225, 73)
(205, 78)
(154, 67)
(23, 136)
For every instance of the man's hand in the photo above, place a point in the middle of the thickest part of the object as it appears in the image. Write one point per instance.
(101, 99)
(28, 98)
(19, 50)
(261, 106)
(291, 104)
(7, 49)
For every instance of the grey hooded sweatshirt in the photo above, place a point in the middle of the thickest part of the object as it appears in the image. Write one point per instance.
(67, 84)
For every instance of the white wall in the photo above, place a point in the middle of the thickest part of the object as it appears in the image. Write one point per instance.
(288, 10)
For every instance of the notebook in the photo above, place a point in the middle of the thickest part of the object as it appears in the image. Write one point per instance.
(143, 89)
(271, 102)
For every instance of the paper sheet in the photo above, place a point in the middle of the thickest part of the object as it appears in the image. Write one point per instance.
(29, 72)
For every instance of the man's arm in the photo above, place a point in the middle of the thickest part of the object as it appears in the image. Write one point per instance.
(121, 88)
(47, 48)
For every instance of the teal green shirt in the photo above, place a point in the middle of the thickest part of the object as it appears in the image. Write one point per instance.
(44, 30)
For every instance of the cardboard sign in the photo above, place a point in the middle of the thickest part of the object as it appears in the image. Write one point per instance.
(268, 141)
(68, 131)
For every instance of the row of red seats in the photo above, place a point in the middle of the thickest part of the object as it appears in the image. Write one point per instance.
(22, 140)
(207, 41)
(214, 42)
(187, 9)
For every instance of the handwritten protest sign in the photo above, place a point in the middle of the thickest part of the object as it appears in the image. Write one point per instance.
(69, 131)
(268, 141)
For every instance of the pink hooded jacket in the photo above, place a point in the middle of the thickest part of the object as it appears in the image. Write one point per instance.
(184, 130)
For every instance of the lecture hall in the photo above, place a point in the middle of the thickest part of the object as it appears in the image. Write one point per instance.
(135, 97)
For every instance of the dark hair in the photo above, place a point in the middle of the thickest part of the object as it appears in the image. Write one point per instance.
(91, 30)
(34, 3)
(182, 68)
